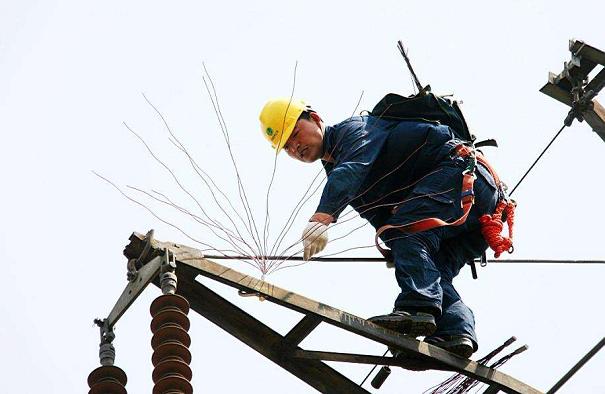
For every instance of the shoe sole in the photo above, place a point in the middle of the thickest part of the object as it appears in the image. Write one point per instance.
(418, 326)
(463, 351)
(459, 347)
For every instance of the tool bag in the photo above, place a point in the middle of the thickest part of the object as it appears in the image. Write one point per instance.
(424, 106)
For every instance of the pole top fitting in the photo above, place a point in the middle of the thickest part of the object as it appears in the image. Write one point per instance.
(107, 352)
(168, 278)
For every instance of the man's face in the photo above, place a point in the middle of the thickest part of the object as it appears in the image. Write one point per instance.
(306, 141)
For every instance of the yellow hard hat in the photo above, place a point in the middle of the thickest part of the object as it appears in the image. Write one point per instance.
(278, 118)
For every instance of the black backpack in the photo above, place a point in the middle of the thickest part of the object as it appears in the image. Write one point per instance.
(424, 106)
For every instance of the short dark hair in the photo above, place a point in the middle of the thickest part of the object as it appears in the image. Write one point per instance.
(306, 115)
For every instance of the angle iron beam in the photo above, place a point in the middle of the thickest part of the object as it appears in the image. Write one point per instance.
(580, 48)
(357, 325)
(302, 329)
(260, 337)
(555, 91)
(133, 289)
(362, 359)
(596, 83)
(193, 258)
(595, 117)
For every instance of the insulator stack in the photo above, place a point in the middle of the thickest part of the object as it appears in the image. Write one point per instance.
(170, 344)
(107, 379)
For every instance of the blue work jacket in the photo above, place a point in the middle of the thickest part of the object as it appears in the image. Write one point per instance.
(376, 161)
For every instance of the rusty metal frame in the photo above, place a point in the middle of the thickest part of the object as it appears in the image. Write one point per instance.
(284, 350)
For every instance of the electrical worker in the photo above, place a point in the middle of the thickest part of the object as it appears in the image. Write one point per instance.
(394, 173)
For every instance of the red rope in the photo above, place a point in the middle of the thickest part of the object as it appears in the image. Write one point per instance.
(492, 225)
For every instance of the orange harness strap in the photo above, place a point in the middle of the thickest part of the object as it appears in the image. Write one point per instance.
(491, 225)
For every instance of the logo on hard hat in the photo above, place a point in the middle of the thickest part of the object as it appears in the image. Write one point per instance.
(270, 131)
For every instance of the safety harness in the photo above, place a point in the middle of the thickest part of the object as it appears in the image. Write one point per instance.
(491, 225)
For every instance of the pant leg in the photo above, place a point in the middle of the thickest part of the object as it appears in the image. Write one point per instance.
(427, 262)
(416, 273)
(456, 318)
(456, 249)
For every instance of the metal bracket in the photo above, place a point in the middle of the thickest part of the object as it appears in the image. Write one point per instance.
(144, 276)
(168, 273)
(139, 276)
(134, 265)
(572, 86)
(107, 353)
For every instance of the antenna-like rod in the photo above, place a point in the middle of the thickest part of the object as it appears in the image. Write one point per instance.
(407, 61)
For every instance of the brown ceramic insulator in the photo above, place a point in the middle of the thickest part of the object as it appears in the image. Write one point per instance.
(170, 333)
(173, 384)
(107, 387)
(170, 316)
(170, 301)
(170, 351)
(107, 380)
(171, 367)
(170, 342)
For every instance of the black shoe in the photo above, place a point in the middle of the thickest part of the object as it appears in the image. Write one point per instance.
(413, 324)
(457, 344)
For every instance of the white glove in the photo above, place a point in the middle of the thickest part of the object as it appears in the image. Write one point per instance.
(315, 238)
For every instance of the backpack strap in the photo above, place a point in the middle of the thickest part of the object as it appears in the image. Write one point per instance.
(491, 225)
(467, 199)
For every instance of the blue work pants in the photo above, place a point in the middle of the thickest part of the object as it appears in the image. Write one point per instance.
(427, 262)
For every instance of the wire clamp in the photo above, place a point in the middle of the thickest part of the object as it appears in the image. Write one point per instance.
(107, 352)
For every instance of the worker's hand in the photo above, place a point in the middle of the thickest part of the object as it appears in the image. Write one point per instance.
(315, 238)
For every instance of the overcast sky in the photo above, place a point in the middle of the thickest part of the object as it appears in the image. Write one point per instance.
(71, 72)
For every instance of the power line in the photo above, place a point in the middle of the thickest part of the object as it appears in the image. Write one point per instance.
(382, 259)
(536, 161)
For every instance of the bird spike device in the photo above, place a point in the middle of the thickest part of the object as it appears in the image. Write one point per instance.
(184, 291)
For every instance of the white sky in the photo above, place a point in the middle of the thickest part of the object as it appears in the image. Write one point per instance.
(71, 72)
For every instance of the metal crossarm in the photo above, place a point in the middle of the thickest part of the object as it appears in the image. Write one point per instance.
(572, 87)
(284, 350)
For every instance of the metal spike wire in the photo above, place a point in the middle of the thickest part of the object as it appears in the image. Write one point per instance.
(279, 142)
(469, 383)
(210, 247)
(230, 237)
(214, 224)
(363, 192)
(292, 217)
(251, 226)
(344, 221)
(217, 224)
(241, 189)
(304, 200)
(201, 173)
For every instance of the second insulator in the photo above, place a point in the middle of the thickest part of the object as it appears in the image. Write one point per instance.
(170, 343)
(107, 379)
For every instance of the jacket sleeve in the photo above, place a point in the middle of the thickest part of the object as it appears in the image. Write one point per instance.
(356, 149)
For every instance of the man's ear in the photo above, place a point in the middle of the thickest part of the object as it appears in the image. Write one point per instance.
(316, 118)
